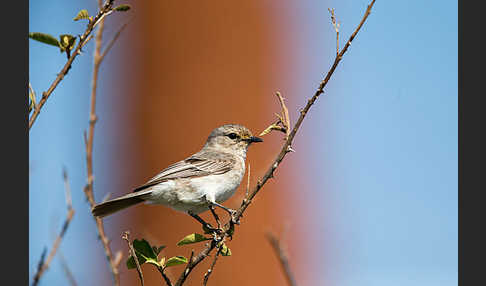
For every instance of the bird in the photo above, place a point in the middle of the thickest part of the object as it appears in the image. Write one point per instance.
(198, 183)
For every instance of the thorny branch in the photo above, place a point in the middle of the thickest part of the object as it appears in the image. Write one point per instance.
(286, 148)
(43, 265)
(134, 255)
(282, 257)
(83, 39)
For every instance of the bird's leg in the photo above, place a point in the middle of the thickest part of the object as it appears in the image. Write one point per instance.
(204, 224)
(216, 217)
(231, 212)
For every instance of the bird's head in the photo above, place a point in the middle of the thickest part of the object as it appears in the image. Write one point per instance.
(232, 138)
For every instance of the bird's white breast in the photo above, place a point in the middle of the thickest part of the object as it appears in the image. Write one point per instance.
(192, 193)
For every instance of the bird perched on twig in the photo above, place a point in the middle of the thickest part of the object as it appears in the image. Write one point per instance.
(197, 183)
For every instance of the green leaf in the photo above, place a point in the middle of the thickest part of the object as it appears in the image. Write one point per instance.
(131, 262)
(143, 247)
(225, 251)
(122, 8)
(157, 250)
(193, 238)
(66, 42)
(231, 230)
(44, 38)
(83, 14)
(176, 260)
(145, 254)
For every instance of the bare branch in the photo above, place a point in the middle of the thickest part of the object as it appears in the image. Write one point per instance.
(66, 270)
(44, 265)
(166, 278)
(194, 261)
(286, 148)
(105, 10)
(112, 42)
(125, 236)
(113, 261)
(282, 257)
(210, 270)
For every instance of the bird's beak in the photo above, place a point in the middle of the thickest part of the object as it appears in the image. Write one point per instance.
(255, 139)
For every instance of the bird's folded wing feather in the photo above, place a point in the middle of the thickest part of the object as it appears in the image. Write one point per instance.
(198, 165)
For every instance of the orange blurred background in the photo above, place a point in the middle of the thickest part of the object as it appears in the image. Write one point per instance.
(191, 66)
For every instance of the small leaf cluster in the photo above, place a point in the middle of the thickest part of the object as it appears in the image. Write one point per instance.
(196, 237)
(149, 254)
(66, 41)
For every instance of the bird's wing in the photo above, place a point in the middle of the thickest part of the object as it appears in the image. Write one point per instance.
(198, 165)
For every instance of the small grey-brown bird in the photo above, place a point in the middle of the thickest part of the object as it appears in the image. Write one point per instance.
(197, 183)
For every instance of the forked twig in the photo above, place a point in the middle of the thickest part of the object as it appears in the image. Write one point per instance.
(282, 123)
(210, 270)
(43, 265)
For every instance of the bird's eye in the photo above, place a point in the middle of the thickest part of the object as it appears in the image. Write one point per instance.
(232, 135)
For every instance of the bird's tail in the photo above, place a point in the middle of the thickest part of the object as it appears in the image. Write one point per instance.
(112, 206)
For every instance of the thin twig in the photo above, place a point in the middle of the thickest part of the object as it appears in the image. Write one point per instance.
(286, 148)
(166, 278)
(282, 123)
(248, 182)
(66, 270)
(113, 261)
(112, 42)
(285, 114)
(105, 10)
(336, 28)
(194, 261)
(282, 257)
(125, 236)
(210, 270)
(45, 264)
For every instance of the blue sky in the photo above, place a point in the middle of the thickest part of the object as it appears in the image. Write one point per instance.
(385, 130)
(56, 141)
